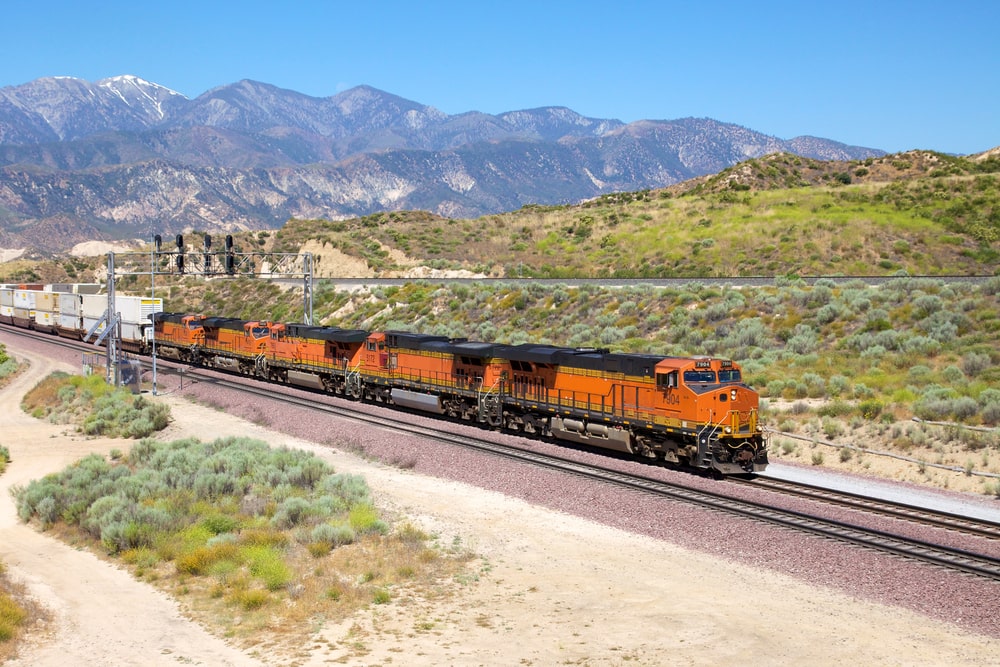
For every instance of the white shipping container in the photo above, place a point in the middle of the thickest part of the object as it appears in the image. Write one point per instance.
(71, 304)
(131, 331)
(7, 296)
(89, 322)
(6, 311)
(25, 298)
(137, 309)
(94, 305)
(133, 309)
(70, 322)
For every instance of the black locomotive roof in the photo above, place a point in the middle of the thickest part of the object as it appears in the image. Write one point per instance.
(233, 323)
(465, 348)
(537, 354)
(410, 341)
(176, 318)
(326, 333)
(584, 358)
(611, 362)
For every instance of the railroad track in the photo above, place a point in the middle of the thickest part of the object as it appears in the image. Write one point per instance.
(897, 510)
(961, 560)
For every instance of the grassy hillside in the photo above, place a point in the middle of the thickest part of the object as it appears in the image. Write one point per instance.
(921, 212)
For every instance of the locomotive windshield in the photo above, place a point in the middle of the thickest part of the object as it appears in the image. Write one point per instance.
(731, 375)
(699, 377)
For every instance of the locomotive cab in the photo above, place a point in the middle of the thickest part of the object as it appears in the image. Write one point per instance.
(708, 399)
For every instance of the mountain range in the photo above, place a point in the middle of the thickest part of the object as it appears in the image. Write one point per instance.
(125, 158)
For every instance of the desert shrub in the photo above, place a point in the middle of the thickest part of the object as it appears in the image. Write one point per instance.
(267, 565)
(986, 397)
(875, 352)
(291, 512)
(870, 409)
(12, 615)
(803, 340)
(837, 385)
(364, 519)
(829, 313)
(334, 535)
(816, 385)
(964, 408)
(990, 414)
(775, 387)
(113, 503)
(974, 363)
(835, 409)
(120, 414)
(953, 374)
(7, 367)
(922, 345)
(862, 391)
(926, 305)
(351, 489)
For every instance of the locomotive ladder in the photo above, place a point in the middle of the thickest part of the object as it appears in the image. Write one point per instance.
(352, 381)
(490, 405)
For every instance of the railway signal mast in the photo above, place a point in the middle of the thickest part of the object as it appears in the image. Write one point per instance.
(227, 262)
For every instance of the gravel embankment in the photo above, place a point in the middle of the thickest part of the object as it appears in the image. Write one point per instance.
(970, 602)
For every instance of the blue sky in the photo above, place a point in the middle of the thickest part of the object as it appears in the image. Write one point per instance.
(879, 73)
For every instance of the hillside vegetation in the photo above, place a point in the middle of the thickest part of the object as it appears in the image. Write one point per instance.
(921, 212)
(925, 213)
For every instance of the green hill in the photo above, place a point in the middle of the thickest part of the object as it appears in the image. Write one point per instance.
(921, 212)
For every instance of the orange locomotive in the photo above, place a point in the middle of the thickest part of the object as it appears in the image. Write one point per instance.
(690, 410)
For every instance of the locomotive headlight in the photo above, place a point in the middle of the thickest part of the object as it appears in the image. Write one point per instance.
(732, 394)
(729, 429)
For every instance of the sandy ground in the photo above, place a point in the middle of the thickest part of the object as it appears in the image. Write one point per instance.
(558, 590)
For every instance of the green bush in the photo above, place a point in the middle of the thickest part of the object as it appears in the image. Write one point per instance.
(334, 535)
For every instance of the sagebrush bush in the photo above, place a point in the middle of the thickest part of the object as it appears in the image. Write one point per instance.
(334, 535)
(189, 480)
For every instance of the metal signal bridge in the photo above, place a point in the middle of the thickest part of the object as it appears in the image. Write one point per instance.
(224, 262)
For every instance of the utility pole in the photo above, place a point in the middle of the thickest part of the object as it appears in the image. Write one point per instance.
(154, 249)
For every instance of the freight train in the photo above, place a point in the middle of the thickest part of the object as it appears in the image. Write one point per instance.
(693, 411)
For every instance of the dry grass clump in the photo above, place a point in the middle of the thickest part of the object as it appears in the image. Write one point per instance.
(252, 538)
(18, 614)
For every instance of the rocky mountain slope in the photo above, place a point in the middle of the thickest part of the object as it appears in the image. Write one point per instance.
(123, 158)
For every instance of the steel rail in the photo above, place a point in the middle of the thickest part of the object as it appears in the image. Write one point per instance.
(890, 508)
